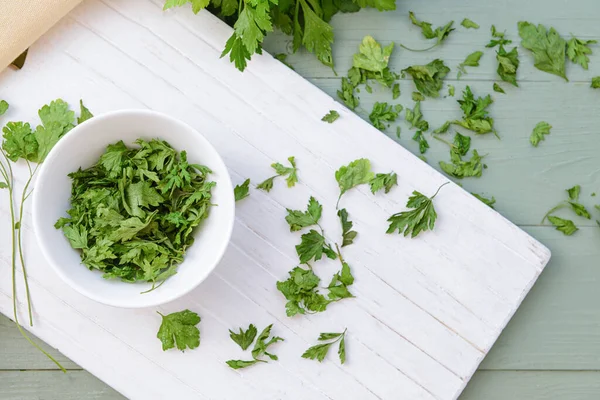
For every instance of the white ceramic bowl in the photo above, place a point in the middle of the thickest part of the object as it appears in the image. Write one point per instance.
(82, 147)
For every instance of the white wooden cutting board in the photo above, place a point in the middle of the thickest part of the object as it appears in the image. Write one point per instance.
(426, 311)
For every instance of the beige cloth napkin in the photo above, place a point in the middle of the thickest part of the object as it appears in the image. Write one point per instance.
(22, 22)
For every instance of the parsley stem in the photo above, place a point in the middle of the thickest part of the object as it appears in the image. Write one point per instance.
(437, 191)
(558, 207)
(418, 50)
(444, 141)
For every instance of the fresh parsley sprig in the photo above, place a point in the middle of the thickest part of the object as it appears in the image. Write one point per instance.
(291, 174)
(179, 330)
(242, 191)
(245, 338)
(319, 351)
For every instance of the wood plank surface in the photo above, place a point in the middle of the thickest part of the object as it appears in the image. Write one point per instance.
(557, 328)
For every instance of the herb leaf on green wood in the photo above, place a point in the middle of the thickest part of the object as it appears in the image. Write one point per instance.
(541, 129)
(547, 47)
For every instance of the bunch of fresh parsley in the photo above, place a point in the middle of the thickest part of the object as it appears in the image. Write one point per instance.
(134, 212)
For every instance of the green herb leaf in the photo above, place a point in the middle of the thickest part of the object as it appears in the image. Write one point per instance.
(450, 90)
(461, 145)
(498, 89)
(440, 33)
(416, 96)
(548, 47)
(301, 219)
(463, 169)
(242, 191)
(263, 342)
(371, 56)
(596, 82)
(396, 91)
(356, 173)
(179, 330)
(567, 227)
(508, 63)
(428, 78)
(423, 144)
(319, 351)
(541, 129)
(499, 39)
(383, 113)
(475, 114)
(244, 338)
(415, 118)
(489, 202)
(197, 5)
(317, 35)
(383, 181)
(300, 290)
(331, 116)
(467, 23)
(84, 113)
(578, 50)
(239, 364)
(346, 94)
(3, 107)
(420, 218)
(19, 141)
(472, 60)
(312, 247)
(348, 235)
(281, 170)
(574, 192)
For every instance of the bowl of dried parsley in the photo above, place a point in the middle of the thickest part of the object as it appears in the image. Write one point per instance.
(133, 208)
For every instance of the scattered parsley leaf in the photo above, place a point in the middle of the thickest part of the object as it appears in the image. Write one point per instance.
(463, 169)
(346, 94)
(331, 116)
(338, 287)
(415, 118)
(244, 338)
(197, 5)
(423, 144)
(548, 47)
(312, 247)
(383, 181)
(281, 170)
(428, 78)
(396, 91)
(566, 226)
(382, 113)
(239, 364)
(467, 23)
(596, 82)
(371, 56)
(578, 50)
(475, 114)
(263, 342)
(461, 145)
(450, 90)
(508, 63)
(348, 235)
(300, 290)
(356, 173)
(84, 113)
(541, 129)
(498, 88)
(498, 40)
(440, 33)
(444, 128)
(242, 191)
(489, 202)
(3, 107)
(472, 60)
(421, 218)
(319, 351)
(574, 192)
(19, 141)
(416, 96)
(301, 219)
(179, 330)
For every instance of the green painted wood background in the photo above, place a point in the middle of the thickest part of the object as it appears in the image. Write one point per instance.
(551, 348)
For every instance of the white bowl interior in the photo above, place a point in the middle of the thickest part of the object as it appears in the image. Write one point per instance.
(82, 147)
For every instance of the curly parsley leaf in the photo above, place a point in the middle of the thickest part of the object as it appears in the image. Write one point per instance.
(383, 113)
(475, 114)
(547, 46)
(498, 88)
(281, 170)
(179, 330)
(415, 118)
(300, 291)
(596, 82)
(423, 143)
(19, 141)
(440, 33)
(348, 235)
(578, 50)
(301, 219)
(242, 191)
(383, 181)
(331, 116)
(472, 60)
(467, 23)
(460, 168)
(428, 78)
(420, 218)
(319, 351)
(566, 226)
(356, 173)
(312, 247)
(542, 128)
(244, 338)
(489, 202)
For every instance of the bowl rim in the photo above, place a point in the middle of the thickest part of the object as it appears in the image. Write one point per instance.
(37, 207)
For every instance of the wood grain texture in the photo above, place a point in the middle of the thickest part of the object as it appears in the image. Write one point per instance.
(525, 181)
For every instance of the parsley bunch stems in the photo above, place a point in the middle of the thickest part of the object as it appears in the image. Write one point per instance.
(7, 173)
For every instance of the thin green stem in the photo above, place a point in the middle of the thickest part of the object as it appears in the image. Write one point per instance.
(558, 207)
(418, 50)
(443, 141)
(435, 194)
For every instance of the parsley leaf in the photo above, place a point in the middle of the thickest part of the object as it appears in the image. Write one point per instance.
(242, 191)
(312, 247)
(338, 287)
(3, 107)
(348, 235)
(416, 96)
(319, 351)
(566, 226)
(197, 5)
(84, 113)
(472, 60)
(239, 364)
(356, 173)
(596, 82)
(428, 78)
(467, 23)
(578, 50)
(346, 94)
(415, 118)
(300, 291)
(382, 113)
(475, 114)
(383, 181)
(541, 129)
(371, 56)
(244, 338)
(463, 169)
(396, 91)
(263, 342)
(331, 116)
(489, 202)
(498, 88)
(440, 33)
(450, 90)
(508, 63)
(179, 330)
(19, 141)
(548, 47)
(499, 38)
(281, 170)
(423, 144)
(421, 218)
(301, 219)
